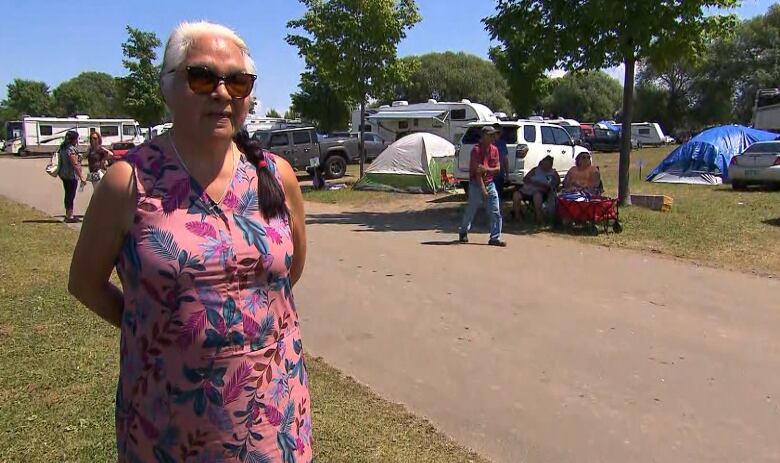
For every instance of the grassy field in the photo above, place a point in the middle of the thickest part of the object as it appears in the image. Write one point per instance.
(711, 224)
(59, 364)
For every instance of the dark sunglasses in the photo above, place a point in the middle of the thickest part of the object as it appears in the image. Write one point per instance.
(203, 81)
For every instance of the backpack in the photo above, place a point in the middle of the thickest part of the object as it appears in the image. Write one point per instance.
(53, 168)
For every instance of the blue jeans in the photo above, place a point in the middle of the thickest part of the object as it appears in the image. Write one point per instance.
(493, 209)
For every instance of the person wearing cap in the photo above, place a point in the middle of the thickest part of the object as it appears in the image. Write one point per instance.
(539, 186)
(484, 166)
(503, 155)
(584, 177)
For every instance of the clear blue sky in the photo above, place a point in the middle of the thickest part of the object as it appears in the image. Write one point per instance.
(54, 41)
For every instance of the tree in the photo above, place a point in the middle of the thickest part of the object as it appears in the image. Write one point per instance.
(746, 62)
(29, 97)
(291, 114)
(596, 34)
(272, 113)
(452, 76)
(587, 96)
(528, 85)
(651, 102)
(141, 87)
(676, 83)
(318, 102)
(92, 93)
(352, 46)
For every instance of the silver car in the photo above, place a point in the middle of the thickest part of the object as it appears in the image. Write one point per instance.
(757, 165)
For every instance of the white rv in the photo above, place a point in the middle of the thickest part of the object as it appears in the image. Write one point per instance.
(44, 134)
(647, 133)
(449, 120)
(254, 123)
(766, 111)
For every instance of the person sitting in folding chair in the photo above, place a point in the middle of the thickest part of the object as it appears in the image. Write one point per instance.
(539, 186)
(584, 177)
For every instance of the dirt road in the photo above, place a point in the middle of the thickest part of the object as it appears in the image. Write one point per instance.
(546, 351)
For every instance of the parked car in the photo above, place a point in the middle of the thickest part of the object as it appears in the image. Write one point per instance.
(301, 148)
(120, 150)
(759, 164)
(606, 140)
(540, 139)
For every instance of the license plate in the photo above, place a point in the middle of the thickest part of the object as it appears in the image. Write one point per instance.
(751, 172)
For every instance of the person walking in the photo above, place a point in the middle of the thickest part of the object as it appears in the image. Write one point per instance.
(207, 233)
(503, 156)
(484, 165)
(97, 158)
(70, 171)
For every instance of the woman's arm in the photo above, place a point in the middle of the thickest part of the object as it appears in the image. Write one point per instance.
(73, 156)
(106, 222)
(294, 198)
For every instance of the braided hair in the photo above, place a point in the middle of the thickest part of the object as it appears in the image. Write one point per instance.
(270, 194)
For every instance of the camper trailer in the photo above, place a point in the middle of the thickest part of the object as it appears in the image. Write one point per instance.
(647, 133)
(449, 120)
(766, 111)
(44, 134)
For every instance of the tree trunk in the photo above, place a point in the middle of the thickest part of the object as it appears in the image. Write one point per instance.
(625, 140)
(361, 145)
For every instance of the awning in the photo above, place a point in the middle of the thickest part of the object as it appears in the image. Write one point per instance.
(403, 115)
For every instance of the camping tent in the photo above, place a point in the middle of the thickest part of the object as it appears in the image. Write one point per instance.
(608, 125)
(412, 164)
(705, 158)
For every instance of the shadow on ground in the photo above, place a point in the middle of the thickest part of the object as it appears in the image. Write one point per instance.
(773, 222)
(444, 220)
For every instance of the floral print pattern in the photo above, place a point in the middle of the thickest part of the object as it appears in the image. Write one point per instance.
(212, 366)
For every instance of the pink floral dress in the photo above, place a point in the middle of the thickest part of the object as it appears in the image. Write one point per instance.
(212, 366)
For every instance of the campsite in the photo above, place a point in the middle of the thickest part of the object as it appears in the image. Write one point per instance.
(250, 237)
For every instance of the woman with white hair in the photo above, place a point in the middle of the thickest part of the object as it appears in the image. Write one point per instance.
(207, 234)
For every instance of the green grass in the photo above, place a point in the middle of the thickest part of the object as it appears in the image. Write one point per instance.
(59, 365)
(712, 224)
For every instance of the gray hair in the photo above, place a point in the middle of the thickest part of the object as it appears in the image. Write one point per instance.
(182, 38)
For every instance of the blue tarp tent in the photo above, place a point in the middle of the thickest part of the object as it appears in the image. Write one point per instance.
(609, 125)
(705, 158)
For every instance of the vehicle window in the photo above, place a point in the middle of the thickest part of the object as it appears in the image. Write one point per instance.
(547, 136)
(109, 130)
(368, 137)
(644, 131)
(472, 135)
(301, 137)
(458, 115)
(509, 135)
(128, 130)
(529, 133)
(417, 122)
(573, 130)
(45, 129)
(561, 136)
(403, 124)
(773, 147)
(278, 139)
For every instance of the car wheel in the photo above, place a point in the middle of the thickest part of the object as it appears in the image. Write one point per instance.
(739, 186)
(335, 167)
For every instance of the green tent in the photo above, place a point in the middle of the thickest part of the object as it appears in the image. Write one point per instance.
(412, 164)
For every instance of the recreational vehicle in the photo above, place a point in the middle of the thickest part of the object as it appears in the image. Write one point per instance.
(766, 111)
(44, 134)
(647, 133)
(449, 120)
(254, 123)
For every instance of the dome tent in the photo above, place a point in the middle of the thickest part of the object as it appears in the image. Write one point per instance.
(704, 160)
(412, 164)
